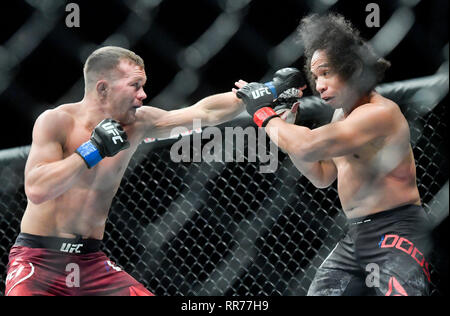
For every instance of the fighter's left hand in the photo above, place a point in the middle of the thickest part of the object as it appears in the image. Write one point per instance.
(286, 114)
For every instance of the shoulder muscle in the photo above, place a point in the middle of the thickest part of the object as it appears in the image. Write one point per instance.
(49, 134)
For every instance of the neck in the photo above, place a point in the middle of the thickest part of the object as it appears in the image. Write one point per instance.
(359, 101)
(94, 111)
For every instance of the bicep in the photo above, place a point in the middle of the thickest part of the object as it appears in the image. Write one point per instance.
(347, 136)
(46, 146)
(320, 173)
(329, 171)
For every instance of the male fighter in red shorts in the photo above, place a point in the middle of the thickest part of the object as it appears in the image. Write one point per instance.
(78, 156)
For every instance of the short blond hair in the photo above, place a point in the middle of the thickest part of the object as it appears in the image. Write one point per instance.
(104, 60)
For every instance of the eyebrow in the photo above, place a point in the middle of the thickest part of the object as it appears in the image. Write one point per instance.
(142, 80)
(325, 65)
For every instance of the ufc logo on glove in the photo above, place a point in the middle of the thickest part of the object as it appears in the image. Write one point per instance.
(101, 144)
(109, 127)
(260, 92)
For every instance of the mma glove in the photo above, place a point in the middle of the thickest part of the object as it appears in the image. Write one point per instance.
(107, 139)
(258, 97)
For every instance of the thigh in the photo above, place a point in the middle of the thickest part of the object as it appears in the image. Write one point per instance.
(102, 277)
(331, 282)
(134, 290)
(393, 249)
(28, 276)
(339, 274)
(21, 280)
(404, 270)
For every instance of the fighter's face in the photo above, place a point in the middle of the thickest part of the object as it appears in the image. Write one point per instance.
(332, 89)
(127, 92)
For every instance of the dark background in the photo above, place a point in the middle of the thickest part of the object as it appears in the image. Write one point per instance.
(41, 61)
(43, 77)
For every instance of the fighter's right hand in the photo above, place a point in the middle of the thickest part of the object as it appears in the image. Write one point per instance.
(107, 139)
(258, 98)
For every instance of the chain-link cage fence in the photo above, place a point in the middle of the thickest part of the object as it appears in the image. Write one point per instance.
(220, 227)
(226, 228)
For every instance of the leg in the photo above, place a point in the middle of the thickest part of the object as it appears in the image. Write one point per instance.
(396, 247)
(105, 278)
(32, 272)
(339, 274)
(134, 290)
(19, 281)
(404, 271)
(333, 282)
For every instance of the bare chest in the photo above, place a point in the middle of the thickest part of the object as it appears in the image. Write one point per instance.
(362, 158)
(360, 161)
(108, 172)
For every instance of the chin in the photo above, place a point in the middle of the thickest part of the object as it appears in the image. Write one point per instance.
(130, 119)
(334, 104)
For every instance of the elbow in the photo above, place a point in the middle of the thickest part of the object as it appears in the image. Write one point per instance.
(322, 184)
(35, 195)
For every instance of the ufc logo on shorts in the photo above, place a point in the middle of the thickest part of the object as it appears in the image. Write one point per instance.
(260, 92)
(109, 127)
(71, 248)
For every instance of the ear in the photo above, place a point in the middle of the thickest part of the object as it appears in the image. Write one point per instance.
(359, 69)
(102, 88)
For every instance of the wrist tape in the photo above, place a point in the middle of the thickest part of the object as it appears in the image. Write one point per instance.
(272, 89)
(89, 153)
(263, 116)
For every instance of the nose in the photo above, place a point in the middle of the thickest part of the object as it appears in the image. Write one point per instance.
(321, 86)
(141, 95)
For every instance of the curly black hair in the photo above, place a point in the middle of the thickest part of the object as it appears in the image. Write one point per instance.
(348, 54)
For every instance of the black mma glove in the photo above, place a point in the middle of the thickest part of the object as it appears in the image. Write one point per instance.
(258, 98)
(107, 139)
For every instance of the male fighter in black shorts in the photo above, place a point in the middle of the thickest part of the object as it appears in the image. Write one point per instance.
(367, 149)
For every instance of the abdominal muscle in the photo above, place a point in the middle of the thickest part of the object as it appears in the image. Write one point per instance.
(78, 212)
(362, 193)
(371, 199)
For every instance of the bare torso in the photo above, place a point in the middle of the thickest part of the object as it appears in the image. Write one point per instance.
(83, 209)
(379, 176)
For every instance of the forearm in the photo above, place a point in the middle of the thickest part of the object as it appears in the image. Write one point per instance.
(48, 181)
(293, 139)
(210, 111)
(220, 108)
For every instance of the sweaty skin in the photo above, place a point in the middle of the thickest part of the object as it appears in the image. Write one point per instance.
(380, 174)
(366, 147)
(65, 198)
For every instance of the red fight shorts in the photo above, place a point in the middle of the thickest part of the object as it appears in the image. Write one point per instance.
(69, 268)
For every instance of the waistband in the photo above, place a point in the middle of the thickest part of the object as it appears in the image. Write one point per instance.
(65, 245)
(411, 209)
